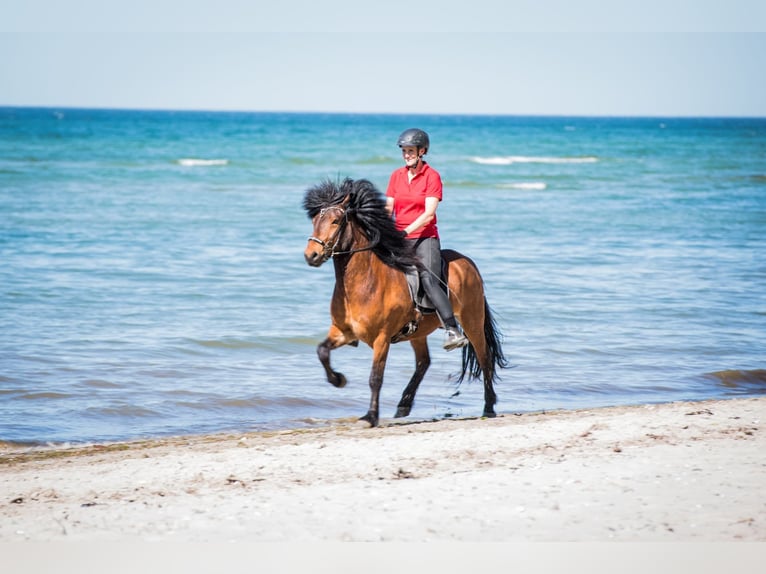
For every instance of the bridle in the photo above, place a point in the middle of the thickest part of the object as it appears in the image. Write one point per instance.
(328, 247)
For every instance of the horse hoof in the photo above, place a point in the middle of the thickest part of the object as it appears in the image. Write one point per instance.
(339, 380)
(361, 424)
(489, 414)
(402, 412)
(370, 418)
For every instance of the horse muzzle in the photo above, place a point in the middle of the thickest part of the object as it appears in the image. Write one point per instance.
(316, 252)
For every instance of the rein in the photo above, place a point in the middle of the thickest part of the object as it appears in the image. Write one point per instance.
(328, 247)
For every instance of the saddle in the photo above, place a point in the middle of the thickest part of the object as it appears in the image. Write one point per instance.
(420, 300)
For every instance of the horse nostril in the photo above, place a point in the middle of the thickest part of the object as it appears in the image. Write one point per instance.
(311, 258)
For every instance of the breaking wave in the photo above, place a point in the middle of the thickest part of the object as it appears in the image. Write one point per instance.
(512, 159)
(194, 162)
(524, 185)
(734, 378)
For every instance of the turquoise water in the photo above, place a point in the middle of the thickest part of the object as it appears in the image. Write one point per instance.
(153, 283)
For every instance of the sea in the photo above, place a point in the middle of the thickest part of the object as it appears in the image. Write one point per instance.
(152, 279)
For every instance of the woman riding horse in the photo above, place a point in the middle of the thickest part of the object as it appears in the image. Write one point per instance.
(413, 194)
(372, 302)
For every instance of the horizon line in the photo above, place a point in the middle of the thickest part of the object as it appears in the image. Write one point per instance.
(379, 113)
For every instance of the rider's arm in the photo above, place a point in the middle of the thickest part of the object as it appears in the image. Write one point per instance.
(390, 205)
(424, 218)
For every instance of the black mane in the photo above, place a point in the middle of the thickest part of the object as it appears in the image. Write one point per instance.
(366, 209)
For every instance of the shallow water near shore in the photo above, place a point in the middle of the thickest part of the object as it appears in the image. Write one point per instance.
(153, 280)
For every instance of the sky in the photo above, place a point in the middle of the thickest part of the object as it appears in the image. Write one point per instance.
(514, 57)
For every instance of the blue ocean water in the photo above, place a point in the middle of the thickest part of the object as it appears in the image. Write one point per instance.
(152, 279)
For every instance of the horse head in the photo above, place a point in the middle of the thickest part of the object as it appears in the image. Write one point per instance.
(327, 237)
(350, 217)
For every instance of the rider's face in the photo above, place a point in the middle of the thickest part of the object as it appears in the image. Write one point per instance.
(411, 155)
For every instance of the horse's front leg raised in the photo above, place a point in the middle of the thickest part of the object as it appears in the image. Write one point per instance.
(379, 355)
(335, 338)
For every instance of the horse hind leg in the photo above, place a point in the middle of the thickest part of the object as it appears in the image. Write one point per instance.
(482, 364)
(495, 359)
(490, 398)
(478, 357)
(422, 362)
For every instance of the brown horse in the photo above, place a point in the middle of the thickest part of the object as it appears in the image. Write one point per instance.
(372, 302)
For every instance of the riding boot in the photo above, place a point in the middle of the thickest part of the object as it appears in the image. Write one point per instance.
(454, 338)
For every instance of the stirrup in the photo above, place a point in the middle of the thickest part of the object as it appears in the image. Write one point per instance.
(409, 329)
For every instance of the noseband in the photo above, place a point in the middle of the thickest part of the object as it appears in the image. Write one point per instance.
(328, 247)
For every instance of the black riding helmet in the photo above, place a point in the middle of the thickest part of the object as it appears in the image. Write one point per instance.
(413, 137)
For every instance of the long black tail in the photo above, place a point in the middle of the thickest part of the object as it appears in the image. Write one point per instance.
(492, 336)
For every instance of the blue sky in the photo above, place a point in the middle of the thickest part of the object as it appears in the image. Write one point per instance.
(668, 58)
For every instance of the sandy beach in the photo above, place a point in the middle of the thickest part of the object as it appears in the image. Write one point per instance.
(687, 471)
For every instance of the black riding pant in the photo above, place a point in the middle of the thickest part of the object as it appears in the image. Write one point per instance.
(428, 249)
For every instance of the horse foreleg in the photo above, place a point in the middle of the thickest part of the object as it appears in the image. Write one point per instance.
(379, 355)
(422, 362)
(335, 339)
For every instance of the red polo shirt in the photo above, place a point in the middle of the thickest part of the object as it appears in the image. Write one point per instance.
(410, 198)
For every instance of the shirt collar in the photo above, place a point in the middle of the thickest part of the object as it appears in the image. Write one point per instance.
(423, 168)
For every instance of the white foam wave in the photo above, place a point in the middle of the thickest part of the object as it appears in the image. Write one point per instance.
(511, 159)
(193, 162)
(525, 185)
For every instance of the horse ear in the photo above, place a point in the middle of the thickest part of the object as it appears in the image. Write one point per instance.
(346, 200)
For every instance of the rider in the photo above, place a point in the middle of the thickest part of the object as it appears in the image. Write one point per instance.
(413, 194)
